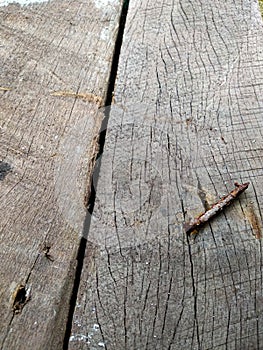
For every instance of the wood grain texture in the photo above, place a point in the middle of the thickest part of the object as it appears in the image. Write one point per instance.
(186, 125)
(55, 65)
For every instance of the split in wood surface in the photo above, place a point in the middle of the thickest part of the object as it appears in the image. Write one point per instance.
(216, 208)
(3, 88)
(85, 96)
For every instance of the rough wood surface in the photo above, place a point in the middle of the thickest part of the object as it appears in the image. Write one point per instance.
(55, 65)
(187, 125)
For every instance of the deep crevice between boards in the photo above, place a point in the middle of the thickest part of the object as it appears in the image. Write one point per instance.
(92, 197)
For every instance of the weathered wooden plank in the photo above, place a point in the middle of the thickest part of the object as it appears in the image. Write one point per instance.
(55, 65)
(187, 124)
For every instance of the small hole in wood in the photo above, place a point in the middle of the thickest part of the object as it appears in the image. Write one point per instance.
(20, 296)
(5, 168)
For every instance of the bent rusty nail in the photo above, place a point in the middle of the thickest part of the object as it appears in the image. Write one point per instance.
(216, 208)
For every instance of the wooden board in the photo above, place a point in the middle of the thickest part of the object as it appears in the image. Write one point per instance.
(55, 65)
(186, 125)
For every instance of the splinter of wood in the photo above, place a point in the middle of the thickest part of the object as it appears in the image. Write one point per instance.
(216, 208)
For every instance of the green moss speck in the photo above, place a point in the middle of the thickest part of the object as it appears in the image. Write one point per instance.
(261, 6)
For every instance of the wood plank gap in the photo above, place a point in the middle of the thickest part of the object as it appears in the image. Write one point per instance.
(92, 196)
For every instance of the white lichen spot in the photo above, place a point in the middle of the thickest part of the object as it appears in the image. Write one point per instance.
(105, 34)
(96, 327)
(20, 2)
(101, 4)
(79, 337)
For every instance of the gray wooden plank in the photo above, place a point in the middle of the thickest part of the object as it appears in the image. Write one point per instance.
(187, 124)
(55, 65)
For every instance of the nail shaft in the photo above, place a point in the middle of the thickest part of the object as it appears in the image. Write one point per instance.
(216, 208)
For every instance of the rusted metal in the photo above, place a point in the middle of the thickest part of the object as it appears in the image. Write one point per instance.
(215, 209)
